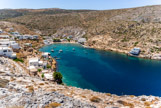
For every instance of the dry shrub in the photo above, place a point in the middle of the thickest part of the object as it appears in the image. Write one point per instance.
(83, 96)
(147, 103)
(108, 94)
(46, 82)
(12, 79)
(132, 96)
(52, 90)
(41, 83)
(30, 88)
(143, 99)
(126, 103)
(53, 105)
(95, 99)
(110, 103)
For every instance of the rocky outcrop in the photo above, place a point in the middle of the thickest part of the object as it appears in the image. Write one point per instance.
(39, 100)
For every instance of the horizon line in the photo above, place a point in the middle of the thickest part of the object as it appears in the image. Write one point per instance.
(77, 9)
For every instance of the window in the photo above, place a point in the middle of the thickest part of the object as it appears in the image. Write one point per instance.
(4, 50)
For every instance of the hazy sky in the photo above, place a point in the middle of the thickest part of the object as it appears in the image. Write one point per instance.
(76, 4)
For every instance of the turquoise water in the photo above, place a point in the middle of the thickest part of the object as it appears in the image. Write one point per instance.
(107, 71)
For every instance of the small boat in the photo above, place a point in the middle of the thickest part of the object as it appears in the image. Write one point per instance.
(52, 50)
(60, 50)
(57, 58)
(73, 49)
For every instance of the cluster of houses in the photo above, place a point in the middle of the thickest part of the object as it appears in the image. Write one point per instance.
(17, 35)
(35, 63)
(7, 44)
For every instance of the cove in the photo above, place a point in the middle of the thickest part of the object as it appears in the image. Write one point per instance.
(106, 71)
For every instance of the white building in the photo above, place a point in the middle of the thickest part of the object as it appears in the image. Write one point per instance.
(8, 43)
(46, 42)
(82, 40)
(28, 44)
(1, 31)
(8, 52)
(21, 37)
(4, 37)
(33, 62)
(45, 55)
(36, 63)
(15, 33)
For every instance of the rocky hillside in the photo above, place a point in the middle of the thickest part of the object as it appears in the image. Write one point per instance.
(118, 30)
(19, 90)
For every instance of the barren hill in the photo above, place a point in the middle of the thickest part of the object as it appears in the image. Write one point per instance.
(118, 30)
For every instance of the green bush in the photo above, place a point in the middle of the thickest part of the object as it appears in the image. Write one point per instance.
(42, 75)
(56, 40)
(39, 70)
(48, 66)
(68, 40)
(58, 77)
(18, 60)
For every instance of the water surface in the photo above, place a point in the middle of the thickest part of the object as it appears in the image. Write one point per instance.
(107, 71)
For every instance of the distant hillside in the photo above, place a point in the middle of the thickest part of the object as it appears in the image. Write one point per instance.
(118, 30)
(12, 13)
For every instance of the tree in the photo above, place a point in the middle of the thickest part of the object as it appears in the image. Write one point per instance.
(42, 75)
(58, 77)
(39, 70)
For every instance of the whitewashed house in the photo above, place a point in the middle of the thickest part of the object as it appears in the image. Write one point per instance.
(45, 55)
(4, 37)
(15, 46)
(33, 62)
(82, 40)
(28, 44)
(46, 42)
(8, 43)
(15, 33)
(7, 52)
(35, 36)
(1, 31)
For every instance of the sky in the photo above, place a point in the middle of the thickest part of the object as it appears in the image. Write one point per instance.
(76, 4)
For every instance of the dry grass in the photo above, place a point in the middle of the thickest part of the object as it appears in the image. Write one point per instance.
(53, 105)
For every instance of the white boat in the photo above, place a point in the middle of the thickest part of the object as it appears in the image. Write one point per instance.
(60, 51)
(52, 50)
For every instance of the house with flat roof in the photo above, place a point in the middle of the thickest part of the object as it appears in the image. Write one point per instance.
(4, 37)
(82, 40)
(7, 52)
(135, 51)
